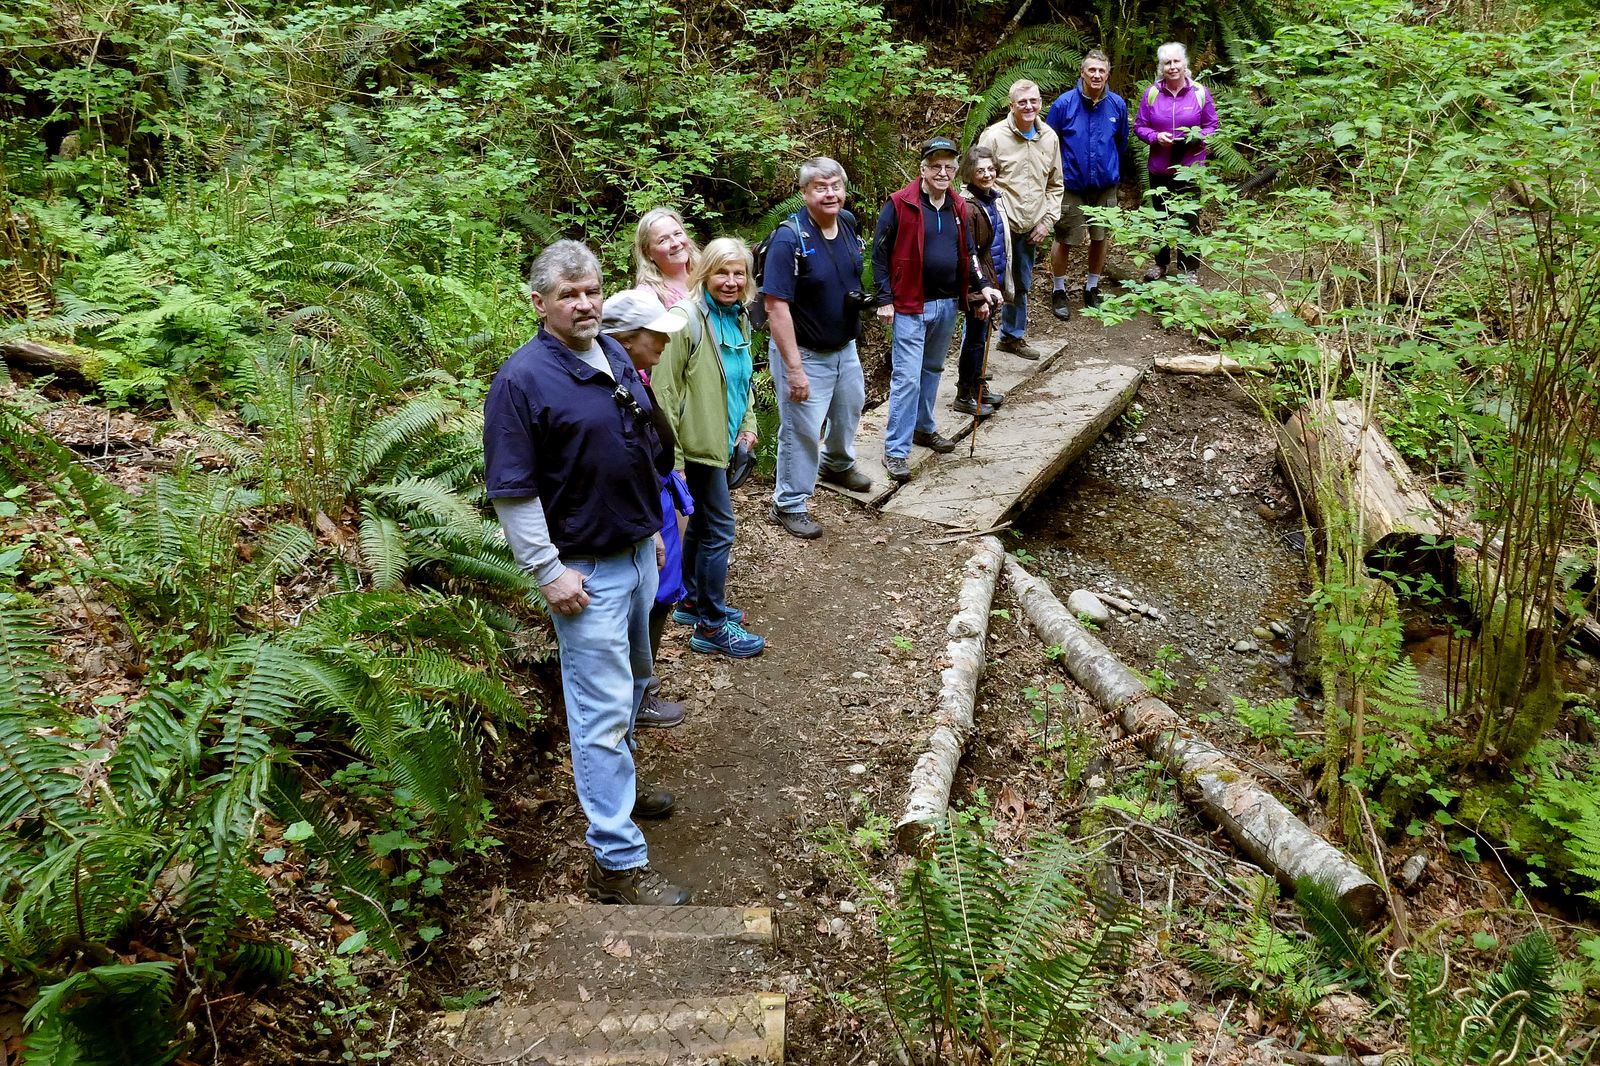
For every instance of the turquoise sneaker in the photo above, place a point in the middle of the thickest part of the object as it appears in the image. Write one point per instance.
(731, 640)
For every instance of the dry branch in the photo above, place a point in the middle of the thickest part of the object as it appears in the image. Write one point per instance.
(928, 799)
(1399, 525)
(1262, 827)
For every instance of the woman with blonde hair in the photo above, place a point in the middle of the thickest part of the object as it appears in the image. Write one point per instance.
(703, 383)
(664, 255)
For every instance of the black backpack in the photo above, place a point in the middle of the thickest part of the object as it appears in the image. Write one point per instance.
(758, 306)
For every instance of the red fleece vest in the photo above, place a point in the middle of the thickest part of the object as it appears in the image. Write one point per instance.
(905, 261)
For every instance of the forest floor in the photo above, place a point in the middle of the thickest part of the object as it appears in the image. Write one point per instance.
(1179, 507)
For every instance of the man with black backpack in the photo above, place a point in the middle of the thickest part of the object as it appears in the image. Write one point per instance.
(813, 298)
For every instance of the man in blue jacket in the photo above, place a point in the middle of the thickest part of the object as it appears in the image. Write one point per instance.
(1091, 122)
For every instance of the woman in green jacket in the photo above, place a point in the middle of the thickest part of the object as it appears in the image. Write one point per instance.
(703, 385)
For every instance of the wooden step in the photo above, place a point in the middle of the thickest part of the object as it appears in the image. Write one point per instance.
(1045, 424)
(584, 951)
(751, 925)
(661, 1032)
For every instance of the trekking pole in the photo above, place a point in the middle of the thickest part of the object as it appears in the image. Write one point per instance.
(977, 408)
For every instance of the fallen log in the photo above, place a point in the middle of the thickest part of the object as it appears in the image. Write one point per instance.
(1191, 363)
(1262, 827)
(38, 358)
(1331, 448)
(928, 798)
(1306, 1058)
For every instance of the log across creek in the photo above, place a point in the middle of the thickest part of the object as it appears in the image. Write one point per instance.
(1257, 822)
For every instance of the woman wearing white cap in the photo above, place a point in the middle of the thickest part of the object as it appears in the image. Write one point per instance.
(637, 322)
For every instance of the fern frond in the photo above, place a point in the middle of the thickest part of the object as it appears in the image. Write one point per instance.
(93, 886)
(1221, 974)
(265, 699)
(383, 549)
(39, 782)
(224, 887)
(160, 743)
(1524, 988)
(1063, 45)
(25, 660)
(1336, 936)
(403, 427)
(112, 1013)
(488, 562)
(775, 216)
(431, 499)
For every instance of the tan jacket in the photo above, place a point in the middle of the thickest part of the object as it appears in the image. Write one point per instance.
(1030, 173)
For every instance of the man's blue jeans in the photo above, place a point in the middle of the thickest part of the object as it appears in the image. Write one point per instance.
(1014, 319)
(605, 664)
(707, 543)
(920, 345)
(838, 392)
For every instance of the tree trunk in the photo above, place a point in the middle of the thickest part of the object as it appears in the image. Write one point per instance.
(1399, 527)
(928, 800)
(1266, 830)
(38, 358)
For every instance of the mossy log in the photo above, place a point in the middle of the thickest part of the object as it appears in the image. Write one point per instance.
(36, 358)
(1330, 448)
(928, 800)
(1262, 827)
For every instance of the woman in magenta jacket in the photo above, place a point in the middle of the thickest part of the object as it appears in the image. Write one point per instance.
(1176, 115)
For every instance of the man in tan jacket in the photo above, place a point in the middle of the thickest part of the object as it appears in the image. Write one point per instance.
(1028, 155)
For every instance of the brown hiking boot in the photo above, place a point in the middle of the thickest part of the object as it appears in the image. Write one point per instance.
(641, 886)
(1018, 347)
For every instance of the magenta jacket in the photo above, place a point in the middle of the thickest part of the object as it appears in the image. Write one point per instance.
(1163, 111)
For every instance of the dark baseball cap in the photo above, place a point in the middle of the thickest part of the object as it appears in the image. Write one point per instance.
(935, 145)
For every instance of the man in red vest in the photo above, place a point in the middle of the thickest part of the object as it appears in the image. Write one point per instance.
(924, 269)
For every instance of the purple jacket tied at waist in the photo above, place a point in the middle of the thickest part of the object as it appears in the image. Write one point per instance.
(1189, 114)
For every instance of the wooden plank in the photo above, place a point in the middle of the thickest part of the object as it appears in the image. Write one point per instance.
(748, 1028)
(1047, 424)
(744, 924)
(1006, 373)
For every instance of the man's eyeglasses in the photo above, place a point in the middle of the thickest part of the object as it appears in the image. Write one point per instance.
(941, 168)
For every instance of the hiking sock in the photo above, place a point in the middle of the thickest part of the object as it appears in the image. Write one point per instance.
(1091, 281)
(1058, 284)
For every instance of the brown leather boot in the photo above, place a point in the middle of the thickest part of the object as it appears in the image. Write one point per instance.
(641, 886)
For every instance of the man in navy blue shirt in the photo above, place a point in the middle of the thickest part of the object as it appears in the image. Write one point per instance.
(1091, 122)
(811, 284)
(570, 459)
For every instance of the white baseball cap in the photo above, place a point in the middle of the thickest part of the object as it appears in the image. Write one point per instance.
(633, 309)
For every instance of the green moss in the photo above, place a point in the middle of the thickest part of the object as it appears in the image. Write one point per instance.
(1502, 813)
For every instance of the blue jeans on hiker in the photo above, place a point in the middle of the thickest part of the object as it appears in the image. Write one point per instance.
(605, 664)
(1014, 319)
(838, 392)
(920, 344)
(707, 543)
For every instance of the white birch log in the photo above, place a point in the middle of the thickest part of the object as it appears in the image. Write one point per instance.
(1262, 827)
(928, 799)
